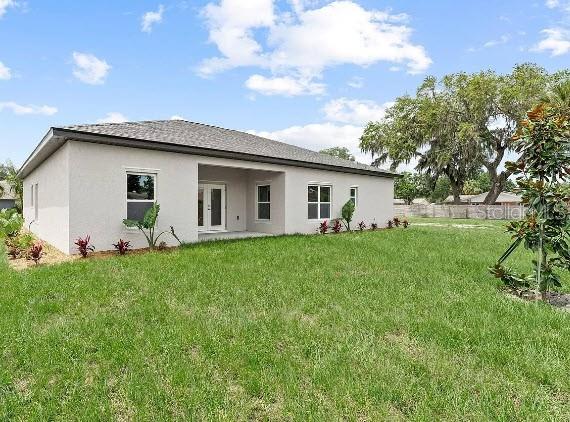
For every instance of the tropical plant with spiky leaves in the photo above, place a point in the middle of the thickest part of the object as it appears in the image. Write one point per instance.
(544, 165)
(147, 226)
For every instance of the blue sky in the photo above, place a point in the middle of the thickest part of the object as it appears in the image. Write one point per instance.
(308, 72)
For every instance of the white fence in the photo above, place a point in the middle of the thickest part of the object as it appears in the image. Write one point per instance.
(484, 212)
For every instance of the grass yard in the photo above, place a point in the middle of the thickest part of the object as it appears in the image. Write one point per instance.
(393, 324)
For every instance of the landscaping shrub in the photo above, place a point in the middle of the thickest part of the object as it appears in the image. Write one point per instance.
(347, 213)
(405, 224)
(162, 246)
(17, 246)
(36, 252)
(324, 227)
(122, 246)
(84, 246)
(10, 222)
(361, 225)
(542, 169)
(373, 225)
(396, 222)
(147, 226)
(337, 226)
(390, 224)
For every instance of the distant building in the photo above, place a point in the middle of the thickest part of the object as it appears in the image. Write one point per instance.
(504, 198)
(7, 198)
(463, 199)
(417, 201)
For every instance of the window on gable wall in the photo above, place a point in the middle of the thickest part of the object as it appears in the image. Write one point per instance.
(141, 194)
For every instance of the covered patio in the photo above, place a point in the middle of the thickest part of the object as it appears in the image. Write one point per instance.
(239, 202)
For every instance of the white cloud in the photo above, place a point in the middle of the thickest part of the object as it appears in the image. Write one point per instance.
(151, 18)
(556, 41)
(230, 27)
(113, 117)
(89, 69)
(558, 4)
(357, 112)
(27, 109)
(177, 117)
(303, 45)
(5, 72)
(356, 82)
(4, 5)
(319, 136)
(286, 85)
(503, 39)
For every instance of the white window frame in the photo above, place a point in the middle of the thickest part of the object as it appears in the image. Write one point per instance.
(257, 202)
(139, 173)
(319, 186)
(355, 196)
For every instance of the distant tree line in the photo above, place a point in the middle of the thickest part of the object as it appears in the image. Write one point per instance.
(411, 186)
(459, 125)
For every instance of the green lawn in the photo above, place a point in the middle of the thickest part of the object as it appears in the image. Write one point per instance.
(403, 323)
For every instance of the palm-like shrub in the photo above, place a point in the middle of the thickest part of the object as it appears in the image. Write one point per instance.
(337, 226)
(147, 226)
(544, 144)
(324, 227)
(36, 252)
(84, 246)
(122, 246)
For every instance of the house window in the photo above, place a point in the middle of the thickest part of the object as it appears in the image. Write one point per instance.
(354, 195)
(141, 194)
(263, 202)
(319, 202)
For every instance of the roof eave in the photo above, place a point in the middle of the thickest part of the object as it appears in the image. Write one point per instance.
(63, 134)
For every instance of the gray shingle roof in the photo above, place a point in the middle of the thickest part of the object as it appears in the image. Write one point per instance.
(197, 135)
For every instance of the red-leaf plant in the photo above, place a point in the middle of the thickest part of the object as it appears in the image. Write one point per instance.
(361, 225)
(36, 252)
(324, 227)
(122, 246)
(337, 226)
(84, 246)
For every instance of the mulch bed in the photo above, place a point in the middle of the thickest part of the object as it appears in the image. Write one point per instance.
(53, 256)
(555, 299)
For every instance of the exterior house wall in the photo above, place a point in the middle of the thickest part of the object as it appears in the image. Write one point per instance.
(374, 201)
(85, 194)
(98, 193)
(276, 181)
(52, 178)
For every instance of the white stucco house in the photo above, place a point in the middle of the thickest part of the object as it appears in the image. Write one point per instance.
(84, 180)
